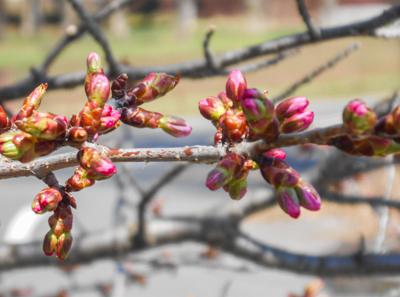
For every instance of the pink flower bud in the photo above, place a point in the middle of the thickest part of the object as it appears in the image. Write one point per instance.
(109, 119)
(93, 63)
(175, 126)
(256, 106)
(275, 154)
(225, 100)
(308, 196)
(61, 221)
(358, 118)
(212, 108)
(237, 187)
(290, 107)
(46, 200)
(5, 122)
(297, 122)
(236, 85)
(288, 201)
(97, 88)
(97, 165)
(154, 85)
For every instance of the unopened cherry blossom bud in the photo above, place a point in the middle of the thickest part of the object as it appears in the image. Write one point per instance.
(32, 102)
(77, 135)
(50, 243)
(93, 63)
(275, 154)
(64, 243)
(358, 118)
(97, 165)
(46, 200)
(61, 221)
(97, 88)
(140, 118)
(175, 126)
(44, 126)
(228, 103)
(212, 108)
(234, 126)
(154, 85)
(5, 122)
(79, 180)
(290, 107)
(278, 173)
(297, 122)
(89, 118)
(15, 144)
(225, 170)
(109, 119)
(308, 196)
(288, 201)
(236, 85)
(118, 86)
(237, 187)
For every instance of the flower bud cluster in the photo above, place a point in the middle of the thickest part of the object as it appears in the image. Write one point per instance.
(241, 113)
(368, 135)
(153, 86)
(292, 192)
(59, 240)
(230, 174)
(94, 165)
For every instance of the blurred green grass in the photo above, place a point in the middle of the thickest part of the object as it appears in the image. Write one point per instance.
(373, 70)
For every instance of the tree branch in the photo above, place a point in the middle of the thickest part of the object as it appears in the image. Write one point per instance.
(314, 32)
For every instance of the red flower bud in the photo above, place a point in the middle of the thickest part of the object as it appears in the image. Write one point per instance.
(47, 200)
(118, 86)
(140, 118)
(297, 122)
(290, 107)
(45, 126)
(79, 180)
(358, 118)
(77, 135)
(154, 85)
(175, 126)
(237, 187)
(228, 103)
(275, 154)
(236, 85)
(225, 170)
(278, 173)
(212, 108)
(97, 165)
(97, 88)
(32, 102)
(234, 126)
(5, 122)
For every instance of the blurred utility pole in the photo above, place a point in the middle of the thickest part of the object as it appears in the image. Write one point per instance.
(30, 16)
(187, 16)
(256, 14)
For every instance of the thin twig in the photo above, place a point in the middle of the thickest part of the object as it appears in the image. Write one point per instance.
(314, 32)
(208, 55)
(317, 72)
(97, 34)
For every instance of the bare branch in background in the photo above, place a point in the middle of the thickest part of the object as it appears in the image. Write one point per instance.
(198, 68)
(97, 34)
(315, 33)
(317, 72)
